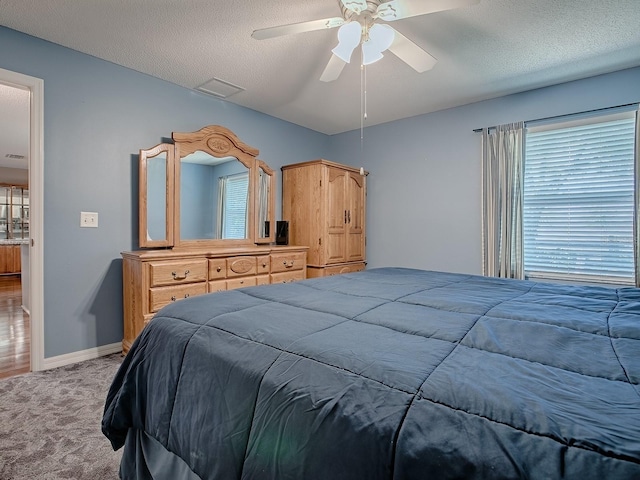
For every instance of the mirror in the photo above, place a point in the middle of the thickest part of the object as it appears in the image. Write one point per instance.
(265, 201)
(216, 192)
(156, 187)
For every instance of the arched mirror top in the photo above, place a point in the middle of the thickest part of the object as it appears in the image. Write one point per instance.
(218, 193)
(217, 141)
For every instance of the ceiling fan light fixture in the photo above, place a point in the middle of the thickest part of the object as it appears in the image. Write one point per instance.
(349, 36)
(380, 38)
(382, 35)
(370, 53)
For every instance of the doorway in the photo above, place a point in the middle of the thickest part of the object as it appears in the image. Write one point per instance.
(21, 113)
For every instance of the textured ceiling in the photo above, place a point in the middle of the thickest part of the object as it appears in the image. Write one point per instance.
(14, 127)
(486, 50)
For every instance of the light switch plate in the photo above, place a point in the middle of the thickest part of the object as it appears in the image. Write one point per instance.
(89, 219)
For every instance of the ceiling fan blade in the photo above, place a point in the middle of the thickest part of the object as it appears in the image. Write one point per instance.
(333, 69)
(411, 54)
(294, 28)
(399, 9)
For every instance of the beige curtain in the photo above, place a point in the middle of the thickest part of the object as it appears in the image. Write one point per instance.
(502, 196)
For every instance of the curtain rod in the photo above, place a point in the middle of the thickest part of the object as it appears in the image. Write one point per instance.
(477, 130)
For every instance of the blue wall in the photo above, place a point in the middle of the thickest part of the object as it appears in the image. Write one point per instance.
(423, 203)
(423, 188)
(97, 116)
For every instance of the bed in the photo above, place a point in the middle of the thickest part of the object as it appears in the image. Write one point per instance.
(388, 373)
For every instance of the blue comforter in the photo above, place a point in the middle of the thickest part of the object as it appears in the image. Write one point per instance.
(388, 373)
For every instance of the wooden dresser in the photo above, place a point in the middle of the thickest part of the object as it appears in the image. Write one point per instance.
(324, 203)
(154, 278)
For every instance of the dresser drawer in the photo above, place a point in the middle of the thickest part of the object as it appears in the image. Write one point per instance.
(240, 266)
(217, 286)
(264, 264)
(161, 296)
(283, 262)
(172, 273)
(340, 269)
(287, 277)
(217, 268)
(232, 284)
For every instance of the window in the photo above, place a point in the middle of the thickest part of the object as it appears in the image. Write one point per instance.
(579, 194)
(234, 206)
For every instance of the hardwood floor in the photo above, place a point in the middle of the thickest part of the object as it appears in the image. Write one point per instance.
(15, 329)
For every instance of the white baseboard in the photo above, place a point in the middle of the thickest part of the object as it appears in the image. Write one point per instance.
(82, 355)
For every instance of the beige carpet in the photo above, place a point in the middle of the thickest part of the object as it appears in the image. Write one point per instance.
(50, 423)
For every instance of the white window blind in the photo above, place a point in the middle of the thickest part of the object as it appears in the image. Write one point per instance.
(235, 206)
(579, 200)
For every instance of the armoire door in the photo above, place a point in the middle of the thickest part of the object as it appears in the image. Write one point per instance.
(337, 212)
(355, 196)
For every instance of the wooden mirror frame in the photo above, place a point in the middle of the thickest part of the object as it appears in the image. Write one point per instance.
(219, 142)
(143, 185)
(271, 202)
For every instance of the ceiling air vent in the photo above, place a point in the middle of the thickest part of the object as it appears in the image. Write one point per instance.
(14, 156)
(219, 88)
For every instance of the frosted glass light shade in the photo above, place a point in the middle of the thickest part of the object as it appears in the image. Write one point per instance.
(370, 53)
(380, 38)
(349, 36)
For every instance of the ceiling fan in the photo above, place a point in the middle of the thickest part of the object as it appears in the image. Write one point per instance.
(363, 22)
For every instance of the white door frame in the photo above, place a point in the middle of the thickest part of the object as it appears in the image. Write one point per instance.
(36, 204)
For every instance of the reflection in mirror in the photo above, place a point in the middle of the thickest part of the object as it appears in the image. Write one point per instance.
(156, 197)
(264, 190)
(213, 198)
(265, 203)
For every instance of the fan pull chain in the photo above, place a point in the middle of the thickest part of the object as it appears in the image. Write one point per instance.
(363, 102)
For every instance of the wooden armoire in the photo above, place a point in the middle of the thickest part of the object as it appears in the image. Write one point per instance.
(324, 203)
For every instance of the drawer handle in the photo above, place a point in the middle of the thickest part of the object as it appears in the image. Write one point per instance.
(288, 264)
(264, 264)
(176, 277)
(186, 295)
(218, 269)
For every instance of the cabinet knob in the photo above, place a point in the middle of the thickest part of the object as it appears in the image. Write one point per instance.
(218, 269)
(173, 298)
